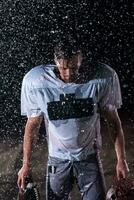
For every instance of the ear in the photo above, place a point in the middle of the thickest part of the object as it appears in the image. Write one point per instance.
(79, 58)
(56, 60)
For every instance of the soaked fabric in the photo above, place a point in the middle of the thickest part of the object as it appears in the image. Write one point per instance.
(86, 173)
(70, 133)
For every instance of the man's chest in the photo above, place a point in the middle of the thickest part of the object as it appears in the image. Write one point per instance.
(69, 101)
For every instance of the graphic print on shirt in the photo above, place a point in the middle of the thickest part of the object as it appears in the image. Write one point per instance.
(69, 107)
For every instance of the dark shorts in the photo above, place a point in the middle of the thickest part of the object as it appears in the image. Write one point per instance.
(87, 173)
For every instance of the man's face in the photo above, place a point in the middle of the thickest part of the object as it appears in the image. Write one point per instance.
(68, 67)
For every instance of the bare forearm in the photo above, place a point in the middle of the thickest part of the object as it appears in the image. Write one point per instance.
(118, 138)
(31, 130)
(27, 146)
(117, 134)
(120, 145)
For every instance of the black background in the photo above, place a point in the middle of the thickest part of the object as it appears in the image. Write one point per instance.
(28, 33)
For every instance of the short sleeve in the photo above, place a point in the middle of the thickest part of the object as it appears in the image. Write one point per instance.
(111, 97)
(29, 105)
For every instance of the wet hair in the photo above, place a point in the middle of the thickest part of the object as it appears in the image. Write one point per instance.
(66, 49)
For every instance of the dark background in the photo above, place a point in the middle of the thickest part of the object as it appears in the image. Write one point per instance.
(29, 30)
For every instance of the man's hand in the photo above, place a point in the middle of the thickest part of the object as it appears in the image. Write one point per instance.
(24, 171)
(122, 169)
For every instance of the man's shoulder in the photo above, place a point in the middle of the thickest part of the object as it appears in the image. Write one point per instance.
(37, 71)
(104, 70)
(97, 71)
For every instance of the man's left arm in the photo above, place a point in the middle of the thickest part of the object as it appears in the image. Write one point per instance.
(117, 134)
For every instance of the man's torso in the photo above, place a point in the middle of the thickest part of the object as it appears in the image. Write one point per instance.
(70, 110)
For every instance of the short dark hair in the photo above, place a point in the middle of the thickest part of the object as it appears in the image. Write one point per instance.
(66, 49)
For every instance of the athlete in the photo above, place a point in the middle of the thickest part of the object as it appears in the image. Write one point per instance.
(70, 96)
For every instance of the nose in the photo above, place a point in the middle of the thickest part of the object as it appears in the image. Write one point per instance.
(67, 71)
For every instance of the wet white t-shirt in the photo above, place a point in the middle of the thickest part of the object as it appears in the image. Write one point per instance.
(70, 110)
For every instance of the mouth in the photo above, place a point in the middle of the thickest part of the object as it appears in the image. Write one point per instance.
(66, 76)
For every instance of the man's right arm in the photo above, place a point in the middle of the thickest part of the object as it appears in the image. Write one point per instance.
(31, 130)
